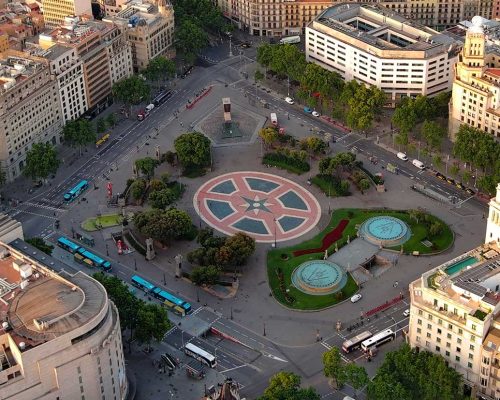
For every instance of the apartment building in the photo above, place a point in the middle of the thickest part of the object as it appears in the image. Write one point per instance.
(19, 22)
(455, 311)
(149, 28)
(103, 51)
(290, 17)
(60, 335)
(380, 48)
(30, 111)
(55, 11)
(476, 87)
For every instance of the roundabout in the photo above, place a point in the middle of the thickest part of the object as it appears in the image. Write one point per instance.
(267, 207)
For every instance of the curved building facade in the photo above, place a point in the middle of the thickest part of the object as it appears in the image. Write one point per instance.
(60, 336)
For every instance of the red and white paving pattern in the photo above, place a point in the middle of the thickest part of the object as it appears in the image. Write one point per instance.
(267, 207)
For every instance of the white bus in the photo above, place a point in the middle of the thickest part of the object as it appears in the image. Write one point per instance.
(378, 339)
(201, 355)
(355, 342)
(290, 40)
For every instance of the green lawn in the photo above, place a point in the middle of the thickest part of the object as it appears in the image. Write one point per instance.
(284, 259)
(103, 221)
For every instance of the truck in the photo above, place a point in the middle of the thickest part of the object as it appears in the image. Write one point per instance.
(274, 119)
(290, 40)
(141, 115)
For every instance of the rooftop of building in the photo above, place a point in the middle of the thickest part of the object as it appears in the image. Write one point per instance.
(40, 304)
(75, 31)
(470, 280)
(16, 67)
(383, 28)
(138, 13)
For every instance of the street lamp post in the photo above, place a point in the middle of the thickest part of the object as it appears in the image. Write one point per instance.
(197, 295)
(288, 85)
(231, 312)
(164, 279)
(264, 333)
(274, 219)
(107, 251)
(199, 214)
(135, 264)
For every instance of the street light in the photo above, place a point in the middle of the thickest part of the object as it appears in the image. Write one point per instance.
(135, 264)
(231, 312)
(264, 334)
(164, 279)
(274, 219)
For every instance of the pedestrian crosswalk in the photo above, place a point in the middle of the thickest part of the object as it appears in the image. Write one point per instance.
(329, 347)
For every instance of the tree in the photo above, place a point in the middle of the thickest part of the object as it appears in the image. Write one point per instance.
(364, 184)
(111, 119)
(138, 188)
(127, 304)
(79, 133)
(101, 125)
(161, 198)
(454, 170)
(160, 68)
(193, 149)
(466, 177)
(286, 386)
(152, 323)
(156, 184)
(437, 160)
(131, 90)
(433, 133)
(163, 225)
(268, 135)
(190, 38)
(405, 373)
(41, 161)
(356, 376)
(404, 117)
(40, 244)
(333, 367)
(258, 76)
(242, 247)
(208, 275)
(146, 166)
(436, 228)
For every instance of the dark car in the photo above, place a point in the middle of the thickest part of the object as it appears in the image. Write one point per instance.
(187, 72)
(246, 45)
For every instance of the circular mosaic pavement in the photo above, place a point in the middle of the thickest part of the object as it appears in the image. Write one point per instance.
(265, 206)
(386, 231)
(319, 277)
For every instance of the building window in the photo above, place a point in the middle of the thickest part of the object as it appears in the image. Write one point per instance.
(471, 347)
(439, 331)
(428, 335)
(438, 348)
(471, 356)
(458, 349)
(429, 326)
(457, 358)
(419, 321)
(419, 330)
(447, 353)
(474, 327)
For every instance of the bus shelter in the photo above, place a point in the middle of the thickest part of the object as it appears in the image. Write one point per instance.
(88, 240)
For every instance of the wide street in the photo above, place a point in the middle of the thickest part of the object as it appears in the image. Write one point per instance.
(252, 336)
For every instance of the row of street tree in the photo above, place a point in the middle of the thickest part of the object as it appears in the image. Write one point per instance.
(146, 322)
(351, 102)
(405, 374)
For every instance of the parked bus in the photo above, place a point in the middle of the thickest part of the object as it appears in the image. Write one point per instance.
(68, 245)
(163, 96)
(102, 140)
(87, 257)
(142, 284)
(174, 303)
(355, 342)
(290, 40)
(76, 191)
(378, 339)
(201, 355)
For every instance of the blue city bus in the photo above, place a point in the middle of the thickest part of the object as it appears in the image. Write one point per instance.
(92, 259)
(68, 245)
(170, 300)
(142, 284)
(76, 191)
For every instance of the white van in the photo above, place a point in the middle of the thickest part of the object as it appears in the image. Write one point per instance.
(150, 107)
(419, 164)
(348, 398)
(402, 156)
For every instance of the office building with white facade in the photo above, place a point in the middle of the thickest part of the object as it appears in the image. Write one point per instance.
(378, 47)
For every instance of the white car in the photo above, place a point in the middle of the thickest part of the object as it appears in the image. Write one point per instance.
(315, 113)
(289, 100)
(402, 156)
(357, 297)
(406, 313)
